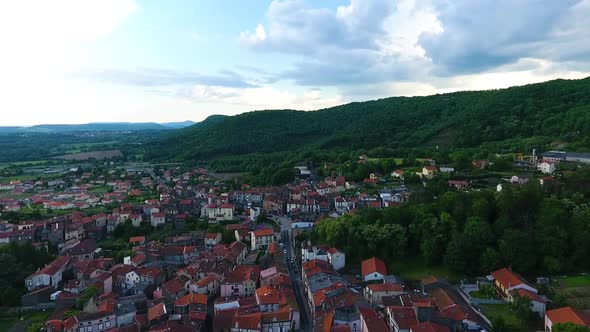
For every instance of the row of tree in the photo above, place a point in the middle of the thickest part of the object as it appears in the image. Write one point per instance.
(473, 233)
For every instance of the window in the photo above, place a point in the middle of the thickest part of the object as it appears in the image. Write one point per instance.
(100, 326)
(107, 324)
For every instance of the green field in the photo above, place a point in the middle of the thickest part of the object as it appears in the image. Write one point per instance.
(482, 295)
(415, 270)
(496, 311)
(575, 281)
(7, 321)
(99, 189)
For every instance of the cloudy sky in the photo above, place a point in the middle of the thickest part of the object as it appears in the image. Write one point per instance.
(78, 61)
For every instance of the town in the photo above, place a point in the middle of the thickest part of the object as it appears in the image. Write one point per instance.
(144, 248)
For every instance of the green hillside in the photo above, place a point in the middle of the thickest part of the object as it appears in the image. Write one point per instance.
(518, 117)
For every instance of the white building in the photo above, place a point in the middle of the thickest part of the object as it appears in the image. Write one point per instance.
(546, 167)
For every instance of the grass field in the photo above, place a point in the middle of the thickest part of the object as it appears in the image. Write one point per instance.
(415, 270)
(575, 281)
(576, 290)
(99, 189)
(482, 295)
(495, 311)
(7, 321)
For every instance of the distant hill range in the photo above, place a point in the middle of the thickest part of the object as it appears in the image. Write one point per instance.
(509, 120)
(98, 126)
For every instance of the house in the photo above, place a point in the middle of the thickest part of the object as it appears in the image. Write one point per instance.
(428, 172)
(400, 318)
(260, 239)
(157, 314)
(398, 173)
(192, 305)
(240, 282)
(507, 281)
(565, 315)
(212, 239)
(216, 213)
(136, 219)
(208, 285)
(446, 169)
(82, 250)
(337, 258)
(458, 184)
(50, 275)
(371, 321)
(429, 327)
(538, 303)
(515, 179)
(267, 298)
(374, 293)
(158, 218)
(547, 167)
(373, 269)
(174, 289)
(137, 240)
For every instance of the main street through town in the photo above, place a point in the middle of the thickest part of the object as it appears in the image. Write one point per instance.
(294, 272)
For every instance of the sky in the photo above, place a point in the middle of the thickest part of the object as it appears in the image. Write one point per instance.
(80, 61)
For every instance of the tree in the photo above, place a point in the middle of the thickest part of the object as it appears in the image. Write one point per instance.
(500, 325)
(454, 255)
(461, 160)
(569, 327)
(490, 260)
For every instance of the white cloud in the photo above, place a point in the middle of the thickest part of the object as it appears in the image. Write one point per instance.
(265, 97)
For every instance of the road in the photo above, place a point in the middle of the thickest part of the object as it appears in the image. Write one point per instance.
(294, 273)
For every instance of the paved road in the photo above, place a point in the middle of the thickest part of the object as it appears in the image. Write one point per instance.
(294, 273)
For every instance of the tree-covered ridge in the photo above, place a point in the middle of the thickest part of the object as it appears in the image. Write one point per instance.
(532, 115)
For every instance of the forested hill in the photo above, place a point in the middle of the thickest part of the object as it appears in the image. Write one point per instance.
(539, 113)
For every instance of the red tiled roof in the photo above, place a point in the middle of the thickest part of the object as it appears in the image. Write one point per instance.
(507, 278)
(156, 311)
(173, 286)
(386, 287)
(248, 322)
(373, 265)
(567, 315)
(191, 299)
(54, 266)
(267, 295)
(530, 295)
(429, 327)
(263, 232)
(405, 317)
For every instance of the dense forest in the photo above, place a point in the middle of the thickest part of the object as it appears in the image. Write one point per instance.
(18, 261)
(534, 229)
(511, 119)
(266, 144)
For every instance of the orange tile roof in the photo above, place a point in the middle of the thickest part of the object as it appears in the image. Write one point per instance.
(251, 321)
(156, 311)
(530, 295)
(373, 265)
(567, 315)
(429, 327)
(137, 239)
(263, 232)
(386, 287)
(507, 278)
(191, 299)
(267, 295)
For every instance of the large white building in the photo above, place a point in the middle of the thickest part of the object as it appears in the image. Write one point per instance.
(216, 213)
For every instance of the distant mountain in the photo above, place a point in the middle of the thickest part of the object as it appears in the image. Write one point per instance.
(97, 126)
(510, 119)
